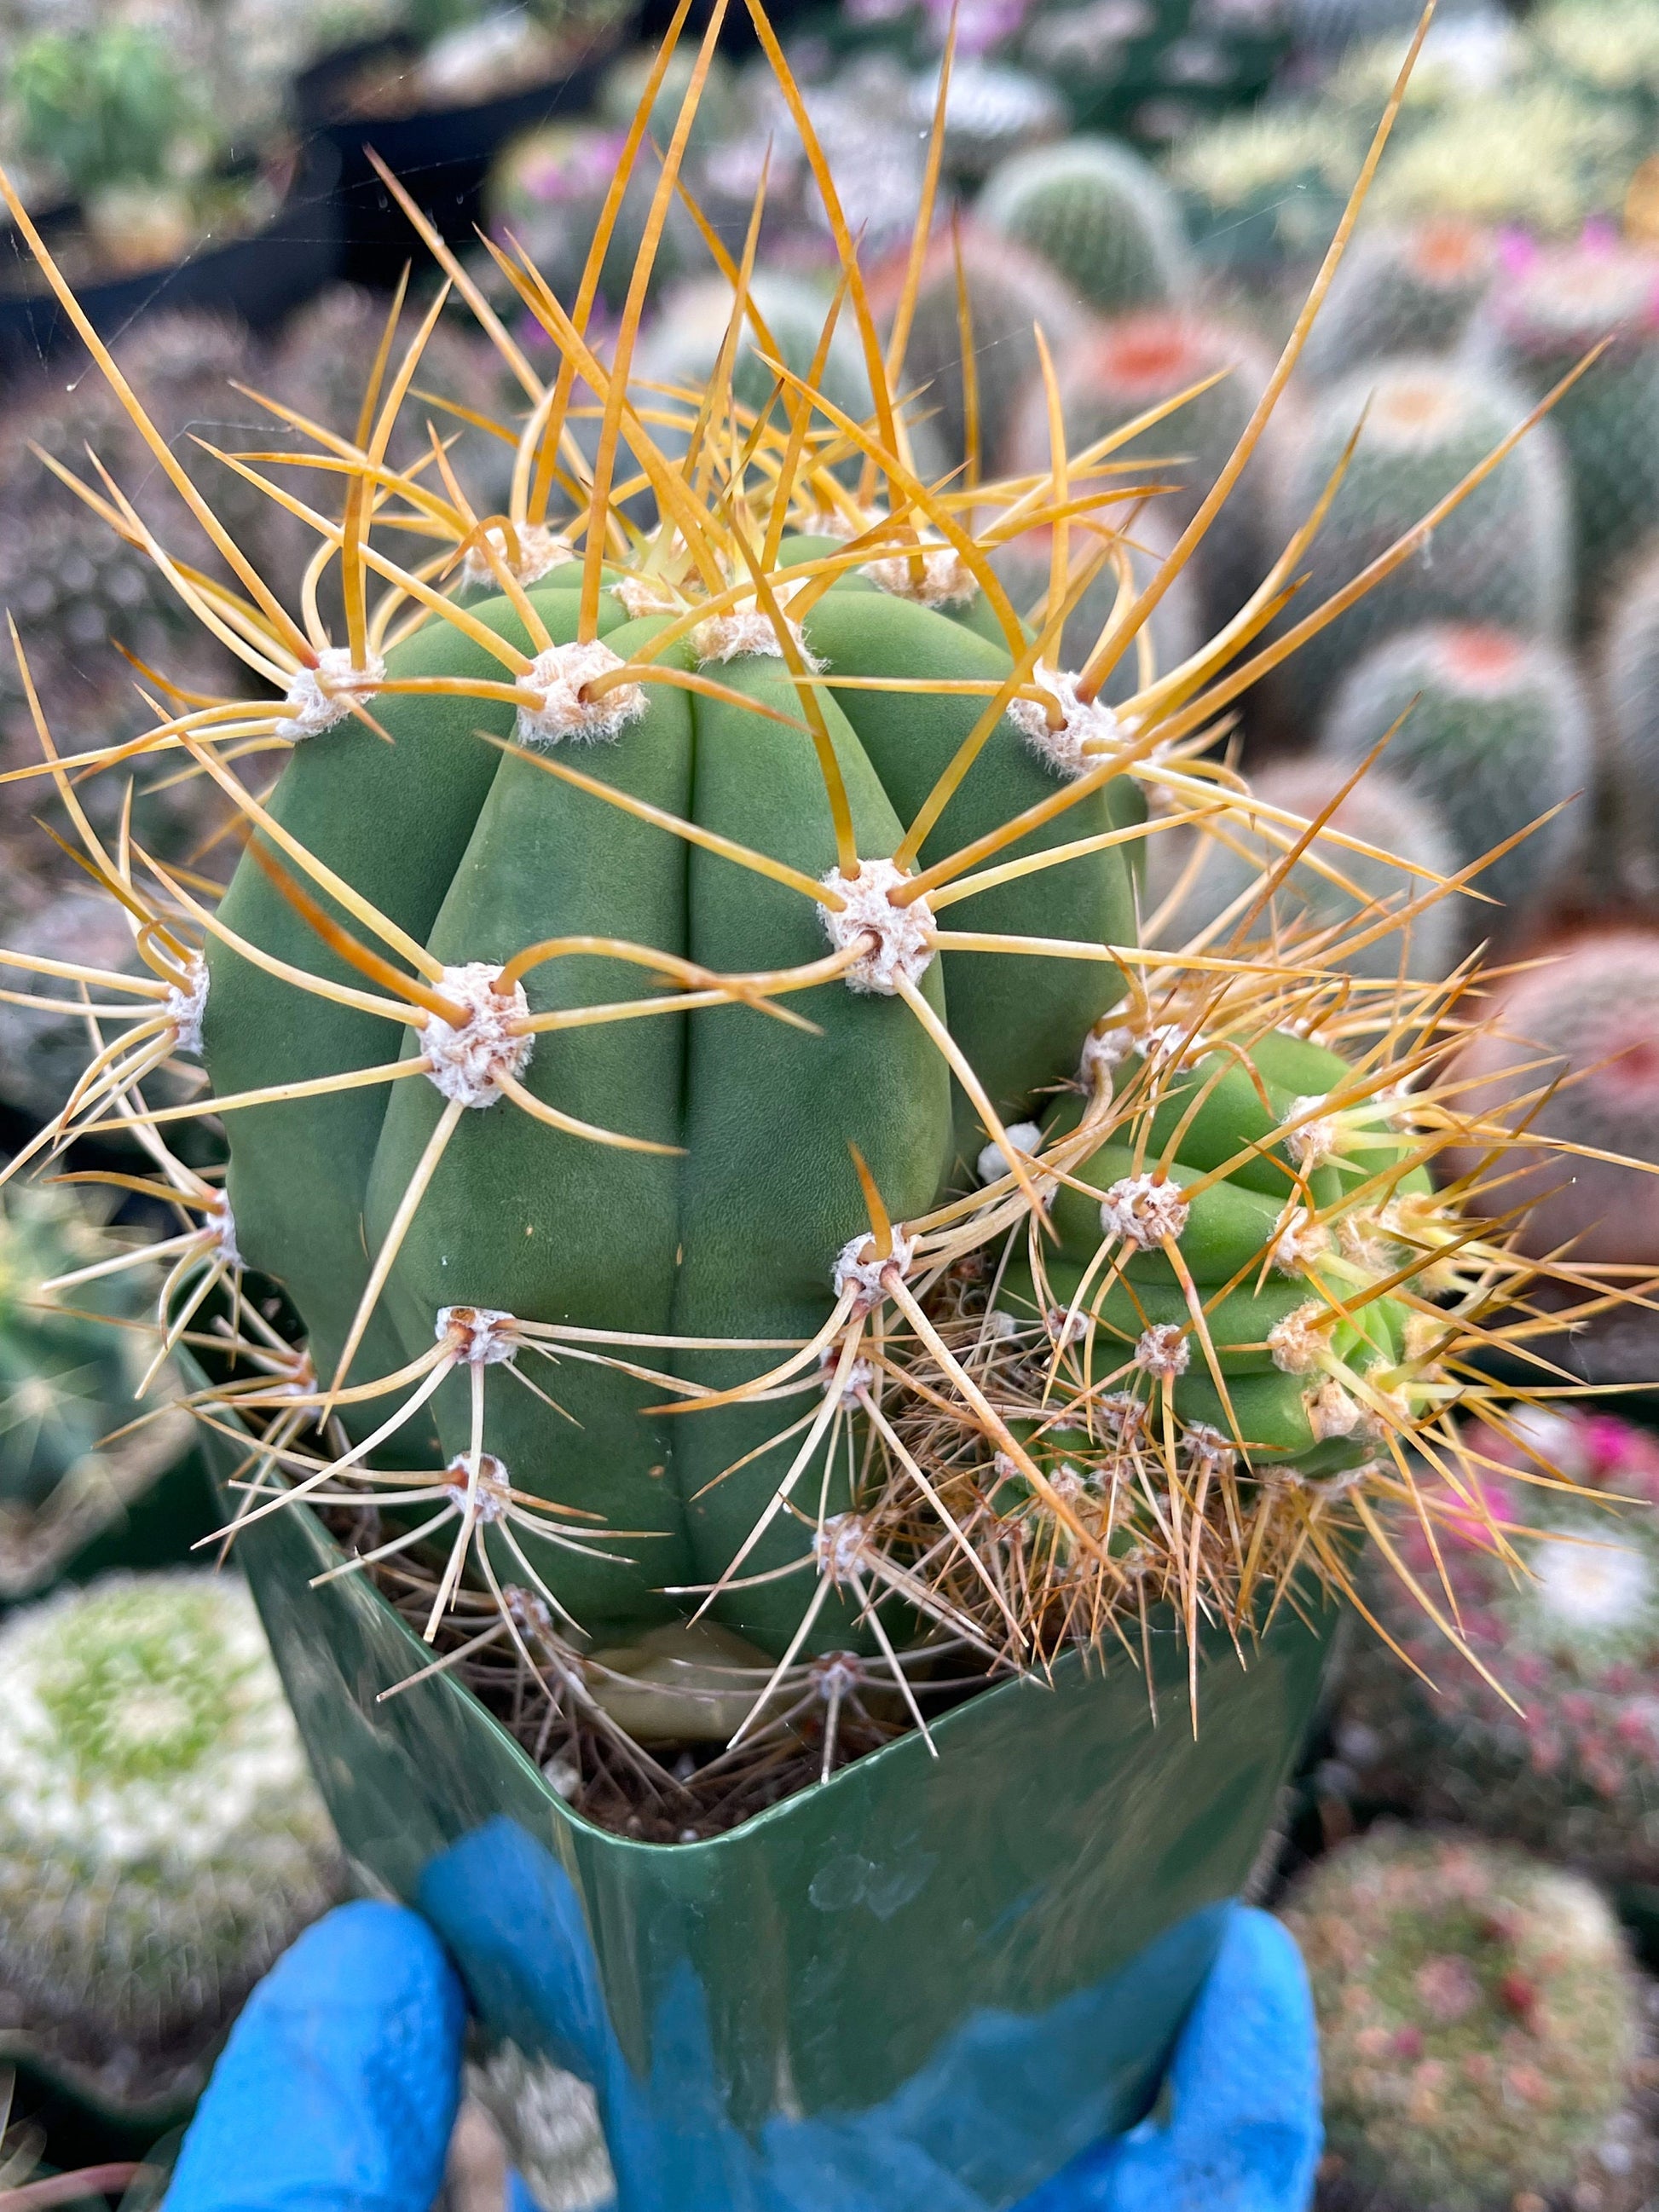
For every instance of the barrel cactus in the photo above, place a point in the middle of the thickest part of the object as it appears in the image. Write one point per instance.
(1578, 1025)
(686, 968)
(1495, 731)
(1100, 215)
(1479, 2021)
(161, 1839)
(1503, 557)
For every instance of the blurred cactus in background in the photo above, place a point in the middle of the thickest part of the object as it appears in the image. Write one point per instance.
(1556, 1743)
(73, 1459)
(160, 1838)
(1124, 368)
(1630, 689)
(1494, 732)
(1478, 2020)
(1501, 558)
(1571, 1044)
(1009, 293)
(1333, 888)
(1101, 218)
(1414, 290)
(1554, 304)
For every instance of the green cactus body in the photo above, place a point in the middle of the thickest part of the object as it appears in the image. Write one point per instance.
(1104, 222)
(161, 1839)
(1011, 293)
(1381, 812)
(1478, 2020)
(1630, 688)
(1502, 557)
(1136, 362)
(476, 856)
(1496, 732)
(67, 1380)
(1565, 1758)
(1301, 1354)
(1410, 289)
(1564, 301)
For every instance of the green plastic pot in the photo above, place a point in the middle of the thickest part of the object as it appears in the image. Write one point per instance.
(923, 1986)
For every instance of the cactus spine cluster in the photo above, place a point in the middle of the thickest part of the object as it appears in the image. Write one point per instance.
(1564, 1757)
(698, 1084)
(1476, 2014)
(1102, 219)
(160, 1838)
(1501, 558)
(1493, 729)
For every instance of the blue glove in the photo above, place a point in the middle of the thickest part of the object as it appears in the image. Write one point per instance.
(337, 2089)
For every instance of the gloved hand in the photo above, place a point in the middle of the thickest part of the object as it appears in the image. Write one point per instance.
(337, 2089)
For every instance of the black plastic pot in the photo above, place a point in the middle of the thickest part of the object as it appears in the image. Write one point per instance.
(441, 155)
(259, 279)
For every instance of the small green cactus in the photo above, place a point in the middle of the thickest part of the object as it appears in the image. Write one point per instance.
(1501, 558)
(1555, 1744)
(1099, 216)
(1382, 814)
(1282, 1357)
(1011, 293)
(1478, 2020)
(1494, 732)
(1413, 289)
(1630, 691)
(1557, 303)
(72, 1463)
(1124, 368)
(160, 1838)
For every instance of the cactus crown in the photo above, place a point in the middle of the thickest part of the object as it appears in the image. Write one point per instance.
(632, 1303)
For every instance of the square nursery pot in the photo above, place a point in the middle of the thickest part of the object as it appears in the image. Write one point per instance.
(923, 1986)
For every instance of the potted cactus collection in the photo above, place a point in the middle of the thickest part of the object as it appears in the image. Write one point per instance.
(776, 957)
